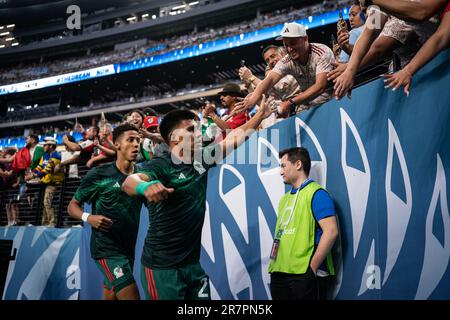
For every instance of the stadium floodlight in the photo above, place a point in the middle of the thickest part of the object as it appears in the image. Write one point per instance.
(2, 46)
(11, 25)
(179, 7)
(154, 16)
(2, 27)
(9, 39)
(172, 13)
(14, 44)
(131, 18)
(4, 33)
(145, 15)
(193, 3)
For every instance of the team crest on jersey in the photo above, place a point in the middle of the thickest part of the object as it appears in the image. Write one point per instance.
(118, 272)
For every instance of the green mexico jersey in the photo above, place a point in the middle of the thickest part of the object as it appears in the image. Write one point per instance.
(174, 234)
(102, 188)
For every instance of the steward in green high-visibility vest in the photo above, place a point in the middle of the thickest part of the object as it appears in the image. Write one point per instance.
(305, 232)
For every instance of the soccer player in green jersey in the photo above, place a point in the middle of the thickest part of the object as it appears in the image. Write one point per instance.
(175, 186)
(115, 216)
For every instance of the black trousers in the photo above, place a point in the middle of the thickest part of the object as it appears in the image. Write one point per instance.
(285, 286)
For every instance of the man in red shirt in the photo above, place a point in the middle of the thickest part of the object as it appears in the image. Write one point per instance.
(229, 96)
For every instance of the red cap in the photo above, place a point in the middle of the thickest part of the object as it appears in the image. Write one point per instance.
(150, 121)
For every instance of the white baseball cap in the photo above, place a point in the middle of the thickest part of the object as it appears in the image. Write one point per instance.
(49, 140)
(292, 30)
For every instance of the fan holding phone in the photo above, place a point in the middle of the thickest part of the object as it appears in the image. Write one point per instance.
(346, 39)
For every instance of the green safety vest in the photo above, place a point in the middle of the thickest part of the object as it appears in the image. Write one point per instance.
(297, 241)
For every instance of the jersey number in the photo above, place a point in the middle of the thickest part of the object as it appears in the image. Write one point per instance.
(201, 293)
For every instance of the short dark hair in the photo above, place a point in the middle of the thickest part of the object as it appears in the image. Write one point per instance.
(295, 154)
(355, 3)
(70, 138)
(140, 113)
(11, 151)
(150, 112)
(120, 130)
(268, 48)
(34, 137)
(171, 121)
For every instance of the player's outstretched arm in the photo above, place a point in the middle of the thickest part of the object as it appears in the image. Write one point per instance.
(140, 184)
(236, 137)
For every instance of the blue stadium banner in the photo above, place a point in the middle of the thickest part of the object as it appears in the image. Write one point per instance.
(46, 266)
(384, 158)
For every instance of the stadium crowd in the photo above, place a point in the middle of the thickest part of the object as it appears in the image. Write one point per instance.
(31, 71)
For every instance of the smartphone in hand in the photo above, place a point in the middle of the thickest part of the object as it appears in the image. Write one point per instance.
(341, 22)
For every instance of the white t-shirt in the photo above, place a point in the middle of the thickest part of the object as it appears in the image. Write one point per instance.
(73, 168)
(31, 150)
(319, 61)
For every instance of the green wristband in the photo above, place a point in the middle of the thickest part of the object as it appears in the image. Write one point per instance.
(143, 185)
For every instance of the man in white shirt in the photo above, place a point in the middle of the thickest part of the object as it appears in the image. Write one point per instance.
(307, 62)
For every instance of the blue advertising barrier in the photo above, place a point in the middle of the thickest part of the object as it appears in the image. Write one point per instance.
(384, 158)
(46, 266)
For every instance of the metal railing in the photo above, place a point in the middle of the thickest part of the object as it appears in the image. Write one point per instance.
(30, 205)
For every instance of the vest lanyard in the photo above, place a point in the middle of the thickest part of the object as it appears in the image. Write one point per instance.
(284, 225)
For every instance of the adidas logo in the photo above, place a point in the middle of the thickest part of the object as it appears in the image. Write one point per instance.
(116, 185)
(181, 176)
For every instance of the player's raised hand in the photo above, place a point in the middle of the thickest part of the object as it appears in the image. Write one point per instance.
(157, 192)
(244, 104)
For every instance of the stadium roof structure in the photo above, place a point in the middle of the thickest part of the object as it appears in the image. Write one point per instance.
(176, 55)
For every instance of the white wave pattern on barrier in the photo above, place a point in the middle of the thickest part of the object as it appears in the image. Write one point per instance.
(207, 242)
(398, 211)
(370, 262)
(237, 274)
(436, 256)
(214, 293)
(73, 276)
(318, 170)
(17, 242)
(37, 234)
(270, 179)
(338, 260)
(265, 240)
(33, 287)
(357, 181)
(235, 199)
